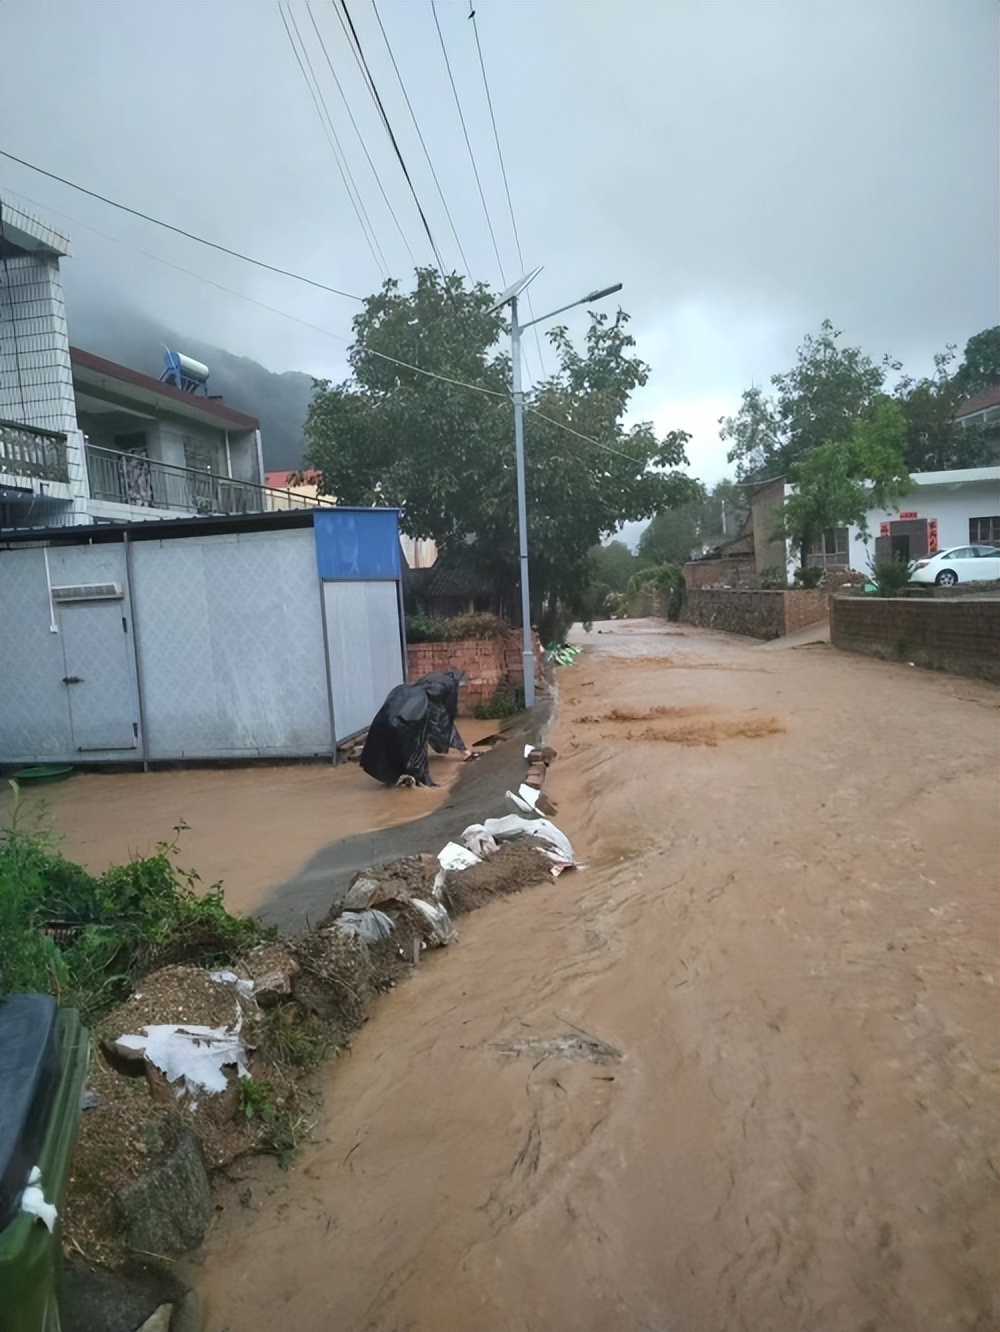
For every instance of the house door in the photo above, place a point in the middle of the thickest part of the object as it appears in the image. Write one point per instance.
(98, 679)
(900, 547)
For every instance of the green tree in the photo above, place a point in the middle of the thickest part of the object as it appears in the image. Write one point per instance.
(935, 441)
(980, 365)
(439, 445)
(705, 521)
(838, 482)
(611, 566)
(821, 398)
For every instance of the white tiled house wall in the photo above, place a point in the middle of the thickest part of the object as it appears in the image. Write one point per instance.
(36, 381)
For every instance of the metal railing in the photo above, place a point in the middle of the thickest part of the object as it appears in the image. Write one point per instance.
(129, 478)
(28, 451)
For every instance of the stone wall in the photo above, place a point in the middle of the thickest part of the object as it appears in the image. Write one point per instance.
(486, 662)
(958, 636)
(753, 611)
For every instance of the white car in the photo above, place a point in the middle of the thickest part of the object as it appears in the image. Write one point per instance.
(960, 564)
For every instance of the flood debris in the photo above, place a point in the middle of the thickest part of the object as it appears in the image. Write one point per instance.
(205, 1065)
(576, 1045)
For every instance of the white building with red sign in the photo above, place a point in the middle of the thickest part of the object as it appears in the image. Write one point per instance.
(944, 509)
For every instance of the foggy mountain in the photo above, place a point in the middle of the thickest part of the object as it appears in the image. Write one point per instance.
(279, 401)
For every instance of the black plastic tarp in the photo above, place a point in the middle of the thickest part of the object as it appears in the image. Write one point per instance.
(396, 744)
(441, 688)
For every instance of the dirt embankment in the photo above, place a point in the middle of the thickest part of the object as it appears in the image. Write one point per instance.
(739, 1074)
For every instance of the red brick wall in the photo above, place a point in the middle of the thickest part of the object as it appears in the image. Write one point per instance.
(958, 636)
(486, 661)
(805, 606)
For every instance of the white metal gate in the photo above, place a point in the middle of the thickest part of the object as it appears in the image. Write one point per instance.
(366, 653)
(98, 678)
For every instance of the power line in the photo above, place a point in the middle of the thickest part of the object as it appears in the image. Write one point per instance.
(364, 146)
(339, 337)
(420, 136)
(189, 235)
(360, 56)
(326, 123)
(503, 172)
(273, 309)
(589, 439)
(468, 143)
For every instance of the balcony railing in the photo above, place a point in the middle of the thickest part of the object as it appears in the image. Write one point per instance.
(28, 451)
(129, 478)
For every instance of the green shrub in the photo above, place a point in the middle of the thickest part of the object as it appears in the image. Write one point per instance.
(890, 577)
(662, 585)
(426, 629)
(87, 939)
(505, 702)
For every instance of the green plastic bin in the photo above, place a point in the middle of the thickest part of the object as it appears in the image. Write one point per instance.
(31, 1256)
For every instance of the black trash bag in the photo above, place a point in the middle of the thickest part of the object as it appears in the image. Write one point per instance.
(396, 744)
(441, 688)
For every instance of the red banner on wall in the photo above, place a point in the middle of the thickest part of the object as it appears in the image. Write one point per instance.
(883, 529)
(932, 540)
(907, 513)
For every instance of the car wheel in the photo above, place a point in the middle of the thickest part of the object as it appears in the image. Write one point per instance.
(946, 578)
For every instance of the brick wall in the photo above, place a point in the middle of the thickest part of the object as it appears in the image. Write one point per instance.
(738, 572)
(754, 612)
(958, 636)
(805, 606)
(486, 661)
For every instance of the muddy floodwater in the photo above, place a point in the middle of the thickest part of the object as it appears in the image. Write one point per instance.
(249, 827)
(738, 1073)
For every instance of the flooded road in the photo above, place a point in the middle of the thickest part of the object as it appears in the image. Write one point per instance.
(739, 1073)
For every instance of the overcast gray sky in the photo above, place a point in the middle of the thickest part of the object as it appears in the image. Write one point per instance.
(746, 169)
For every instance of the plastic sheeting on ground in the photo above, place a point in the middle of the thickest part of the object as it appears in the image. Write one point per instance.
(371, 924)
(455, 857)
(193, 1057)
(441, 929)
(513, 825)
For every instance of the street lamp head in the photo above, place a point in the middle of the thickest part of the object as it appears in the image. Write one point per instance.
(604, 291)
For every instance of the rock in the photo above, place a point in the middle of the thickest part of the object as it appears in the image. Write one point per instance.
(167, 1210)
(272, 969)
(158, 1320)
(97, 1300)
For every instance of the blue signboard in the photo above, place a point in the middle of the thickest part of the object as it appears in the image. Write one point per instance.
(357, 544)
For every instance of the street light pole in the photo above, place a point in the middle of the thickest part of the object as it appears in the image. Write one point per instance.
(527, 639)
(509, 297)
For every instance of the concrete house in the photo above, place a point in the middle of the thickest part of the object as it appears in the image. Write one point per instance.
(84, 440)
(943, 509)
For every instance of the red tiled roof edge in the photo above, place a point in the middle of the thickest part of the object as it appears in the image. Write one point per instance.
(979, 401)
(210, 406)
